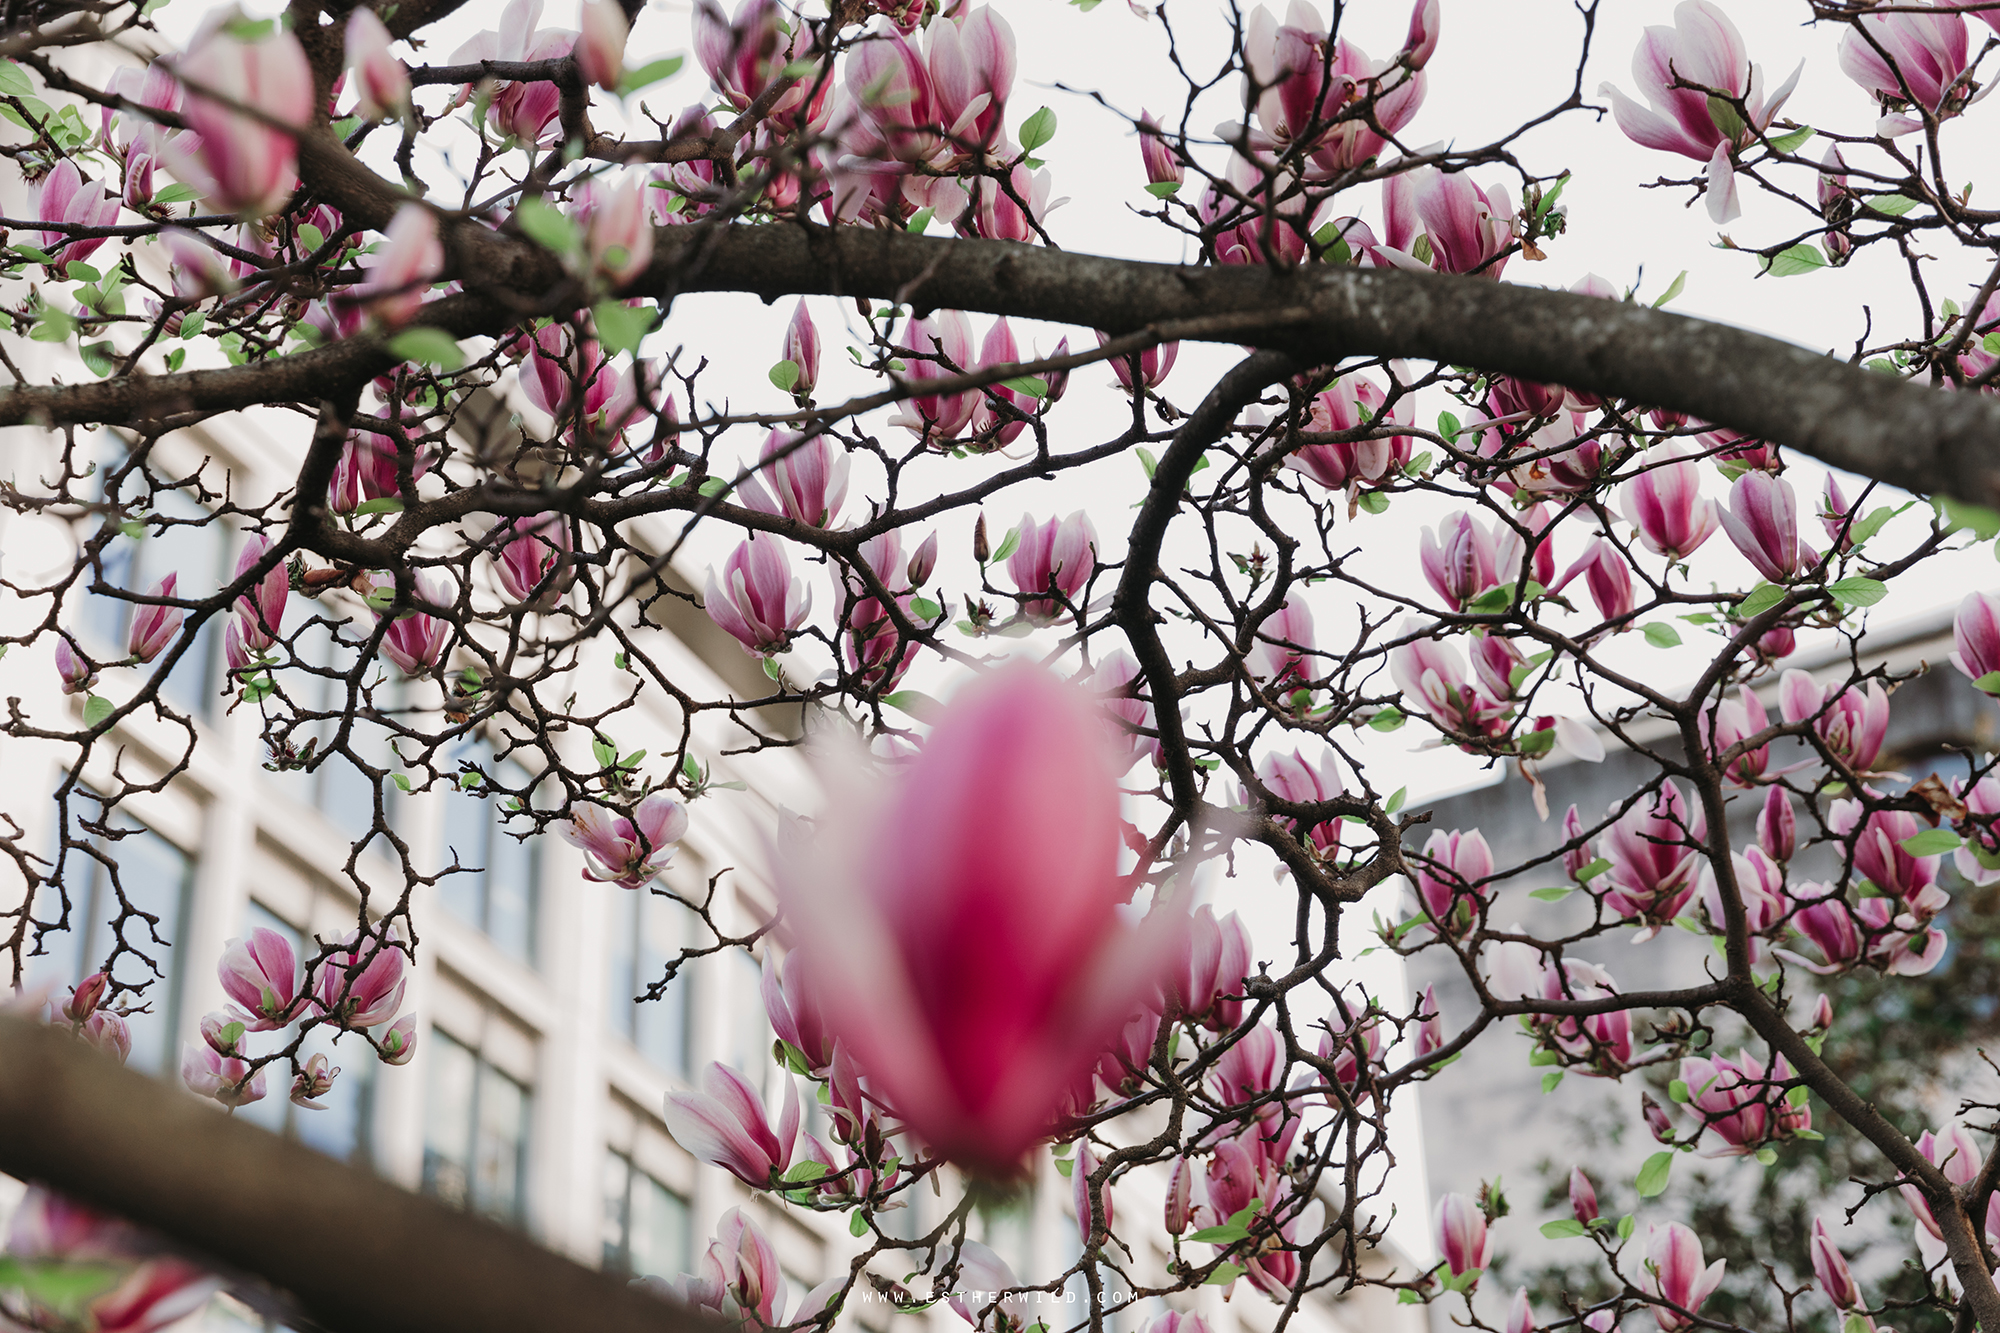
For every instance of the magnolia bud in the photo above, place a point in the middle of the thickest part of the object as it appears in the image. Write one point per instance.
(802, 350)
(83, 1001)
(924, 561)
(980, 550)
(399, 1043)
(1656, 1118)
(1582, 1196)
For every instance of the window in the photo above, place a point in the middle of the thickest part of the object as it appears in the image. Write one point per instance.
(344, 1130)
(157, 878)
(475, 1134)
(646, 1225)
(197, 549)
(750, 1034)
(497, 892)
(647, 932)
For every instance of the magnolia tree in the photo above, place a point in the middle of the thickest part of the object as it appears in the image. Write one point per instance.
(990, 937)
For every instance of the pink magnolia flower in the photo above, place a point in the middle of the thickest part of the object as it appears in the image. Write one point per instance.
(794, 1015)
(1975, 636)
(724, 1125)
(399, 1043)
(1460, 560)
(1678, 70)
(1521, 1313)
(1430, 1024)
(1953, 1151)
(802, 350)
(314, 1080)
(523, 110)
(978, 1298)
(1927, 58)
(1605, 573)
(889, 87)
(1128, 719)
(367, 470)
(262, 974)
(148, 1290)
(745, 55)
(1324, 94)
(629, 852)
(1431, 675)
(85, 996)
(1156, 155)
(617, 220)
(1452, 874)
(226, 1079)
(1982, 832)
(1732, 721)
(1580, 855)
(73, 668)
(1153, 364)
(108, 1033)
(1763, 521)
(874, 648)
(971, 62)
(1282, 653)
(1053, 556)
(1495, 659)
(803, 478)
(1461, 1235)
(1760, 884)
(250, 165)
(1777, 826)
(944, 336)
(260, 612)
(381, 84)
(978, 975)
(1351, 403)
(1655, 854)
(399, 275)
(600, 46)
(1207, 979)
(1674, 1272)
(1851, 724)
(224, 1032)
(758, 600)
(1468, 229)
(1252, 219)
(1990, 16)
(1830, 1267)
(532, 559)
(361, 983)
(1742, 1101)
(154, 624)
(66, 197)
(415, 640)
(997, 216)
(1602, 1043)
(1831, 926)
(1094, 1216)
(566, 373)
(1666, 505)
(990, 421)
(1291, 777)
(1582, 1196)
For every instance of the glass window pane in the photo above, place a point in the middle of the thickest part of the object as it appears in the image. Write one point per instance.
(341, 1130)
(660, 1028)
(497, 1184)
(622, 972)
(510, 890)
(155, 877)
(617, 1211)
(750, 1032)
(448, 1120)
(465, 836)
(660, 1227)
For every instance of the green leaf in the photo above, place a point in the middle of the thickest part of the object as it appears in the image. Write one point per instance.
(1563, 1228)
(96, 709)
(1223, 1275)
(311, 237)
(387, 504)
(1163, 189)
(1932, 842)
(1798, 259)
(1388, 719)
(1858, 592)
(1678, 1090)
(1627, 1225)
(1037, 130)
(1373, 501)
(97, 356)
(1555, 193)
(923, 608)
(1551, 1080)
(14, 80)
(785, 374)
(63, 1286)
(1419, 465)
(648, 74)
(803, 1171)
(78, 271)
(1984, 522)
(1008, 545)
(55, 326)
(1652, 1180)
(1032, 385)
(713, 487)
(1889, 205)
(1555, 895)
(547, 226)
(1759, 600)
(1448, 427)
(858, 1224)
(1065, 1166)
(1787, 143)
(1396, 801)
(1990, 682)
(1593, 870)
(402, 782)
(914, 702)
(620, 326)
(1863, 529)
(176, 193)
(191, 324)
(433, 347)
(1661, 635)
(920, 221)
(1148, 463)
(1766, 1156)
(1991, 343)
